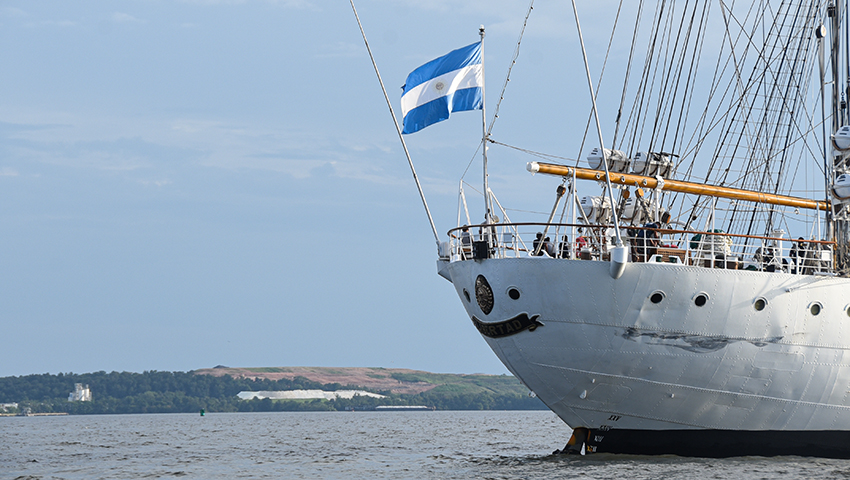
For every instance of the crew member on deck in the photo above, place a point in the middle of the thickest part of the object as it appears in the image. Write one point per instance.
(581, 243)
(466, 243)
(564, 248)
(536, 244)
(549, 247)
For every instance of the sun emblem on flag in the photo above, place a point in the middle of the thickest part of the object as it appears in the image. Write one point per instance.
(440, 86)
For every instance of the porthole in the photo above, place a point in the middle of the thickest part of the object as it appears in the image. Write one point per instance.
(484, 294)
(759, 304)
(656, 297)
(815, 308)
(513, 293)
(847, 310)
(701, 299)
(466, 294)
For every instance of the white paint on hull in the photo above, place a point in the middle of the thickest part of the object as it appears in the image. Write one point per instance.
(608, 356)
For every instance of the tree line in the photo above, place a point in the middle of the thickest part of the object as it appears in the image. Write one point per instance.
(184, 392)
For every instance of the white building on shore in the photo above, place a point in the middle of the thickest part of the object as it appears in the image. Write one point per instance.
(80, 394)
(307, 394)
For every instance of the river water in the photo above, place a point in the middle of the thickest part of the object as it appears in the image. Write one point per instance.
(397, 445)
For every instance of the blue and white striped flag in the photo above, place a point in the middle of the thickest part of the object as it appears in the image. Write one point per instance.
(451, 83)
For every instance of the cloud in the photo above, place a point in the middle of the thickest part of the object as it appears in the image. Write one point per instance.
(119, 17)
(12, 12)
(298, 168)
(95, 155)
(294, 152)
(44, 144)
(9, 130)
(504, 17)
(302, 153)
(152, 149)
(342, 50)
(452, 6)
(195, 126)
(284, 3)
(299, 156)
(156, 183)
(324, 171)
(52, 23)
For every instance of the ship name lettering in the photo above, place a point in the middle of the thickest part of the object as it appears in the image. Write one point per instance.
(508, 327)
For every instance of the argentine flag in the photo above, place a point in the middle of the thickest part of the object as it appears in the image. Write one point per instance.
(451, 83)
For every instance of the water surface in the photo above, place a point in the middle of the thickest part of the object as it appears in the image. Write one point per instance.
(439, 445)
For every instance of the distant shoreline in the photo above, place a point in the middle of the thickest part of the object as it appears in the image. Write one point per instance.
(218, 390)
(45, 414)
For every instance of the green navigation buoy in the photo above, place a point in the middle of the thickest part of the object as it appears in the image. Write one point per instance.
(202, 412)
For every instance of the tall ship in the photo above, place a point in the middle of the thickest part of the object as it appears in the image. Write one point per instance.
(686, 291)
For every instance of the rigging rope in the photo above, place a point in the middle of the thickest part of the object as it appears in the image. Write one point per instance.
(504, 88)
(536, 154)
(628, 72)
(757, 114)
(508, 75)
(599, 81)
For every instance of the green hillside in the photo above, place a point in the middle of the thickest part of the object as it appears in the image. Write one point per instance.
(215, 390)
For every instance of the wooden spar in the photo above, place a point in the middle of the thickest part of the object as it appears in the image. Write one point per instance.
(677, 186)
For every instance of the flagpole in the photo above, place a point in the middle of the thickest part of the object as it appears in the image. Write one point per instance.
(484, 131)
(398, 129)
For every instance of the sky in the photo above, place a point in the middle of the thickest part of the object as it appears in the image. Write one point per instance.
(191, 183)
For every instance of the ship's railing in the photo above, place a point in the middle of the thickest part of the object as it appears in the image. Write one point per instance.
(715, 249)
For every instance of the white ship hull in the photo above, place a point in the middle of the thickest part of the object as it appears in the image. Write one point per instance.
(689, 301)
(608, 359)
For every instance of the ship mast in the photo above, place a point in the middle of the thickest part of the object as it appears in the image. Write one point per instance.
(838, 218)
(833, 13)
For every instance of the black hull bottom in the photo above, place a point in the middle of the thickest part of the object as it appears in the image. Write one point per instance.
(721, 443)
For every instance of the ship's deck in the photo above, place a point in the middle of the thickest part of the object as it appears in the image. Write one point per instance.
(715, 249)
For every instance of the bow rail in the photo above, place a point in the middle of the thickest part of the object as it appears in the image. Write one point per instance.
(570, 241)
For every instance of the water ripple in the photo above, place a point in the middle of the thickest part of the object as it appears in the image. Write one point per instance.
(397, 445)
